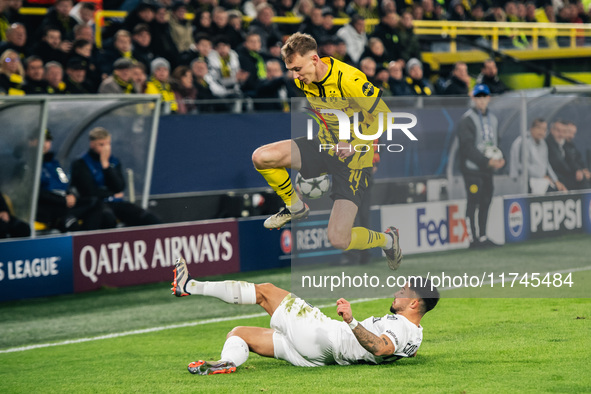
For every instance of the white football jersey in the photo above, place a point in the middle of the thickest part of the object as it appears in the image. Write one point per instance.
(405, 336)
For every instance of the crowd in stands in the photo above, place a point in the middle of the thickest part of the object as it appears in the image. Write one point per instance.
(217, 55)
(193, 63)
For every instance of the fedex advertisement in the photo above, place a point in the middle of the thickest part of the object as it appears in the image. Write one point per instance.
(439, 225)
(543, 216)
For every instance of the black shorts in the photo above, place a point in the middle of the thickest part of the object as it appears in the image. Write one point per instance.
(347, 183)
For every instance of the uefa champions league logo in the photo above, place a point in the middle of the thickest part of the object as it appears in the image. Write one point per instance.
(385, 124)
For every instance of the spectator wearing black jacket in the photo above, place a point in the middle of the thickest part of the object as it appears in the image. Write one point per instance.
(82, 52)
(54, 75)
(16, 39)
(235, 34)
(162, 42)
(560, 156)
(202, 22)
(419, 86)
(59, 206)
(275, 86)
(264, 26)
(75, 79)
(376, 51)
(341, 51)
(386, 32)
(12, 74)
(34, 81)
(219, 24)
(252, 62)
(575, 158)
(398, 85)
(59, 18)
(98, 174)
(408, 41)
(121, 48)
(489, 76)
(142, 50)
(51, 48)
(203, 81)
(459, 82)
(313, 25)
(142, 14)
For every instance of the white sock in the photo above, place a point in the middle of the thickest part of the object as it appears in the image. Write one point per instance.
(389, 242)
(235, 350)
(230, 291)
(298, 206)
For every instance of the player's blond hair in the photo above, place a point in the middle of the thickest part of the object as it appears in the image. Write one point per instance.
(298, 43)
(98, 133)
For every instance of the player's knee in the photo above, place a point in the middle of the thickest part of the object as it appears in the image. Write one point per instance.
(235, 332)
(265, 157)
(339, 241)
(264, 288)
(264, 291)
(261, 158)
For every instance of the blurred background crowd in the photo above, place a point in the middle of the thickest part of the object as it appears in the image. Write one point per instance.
(194, 50)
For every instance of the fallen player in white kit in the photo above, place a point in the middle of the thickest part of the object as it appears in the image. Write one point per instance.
(302, 335)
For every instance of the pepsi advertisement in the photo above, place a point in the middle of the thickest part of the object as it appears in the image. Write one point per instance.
(545, 216)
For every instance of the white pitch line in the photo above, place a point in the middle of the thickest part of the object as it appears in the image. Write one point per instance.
(153, 329)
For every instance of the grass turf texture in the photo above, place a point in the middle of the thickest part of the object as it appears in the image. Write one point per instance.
(470, 345)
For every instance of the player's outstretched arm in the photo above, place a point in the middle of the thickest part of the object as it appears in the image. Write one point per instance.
(378, 346)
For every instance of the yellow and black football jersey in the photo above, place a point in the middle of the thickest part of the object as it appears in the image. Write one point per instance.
(347, 89)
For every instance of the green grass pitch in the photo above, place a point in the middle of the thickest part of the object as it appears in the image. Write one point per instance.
(470, 345)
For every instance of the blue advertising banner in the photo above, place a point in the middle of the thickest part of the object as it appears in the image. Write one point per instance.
(587, 212)
(41, 266)
(307, 241)
(543, 216)
(261, 248)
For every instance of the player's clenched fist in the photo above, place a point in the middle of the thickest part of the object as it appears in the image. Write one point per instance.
(344, 310)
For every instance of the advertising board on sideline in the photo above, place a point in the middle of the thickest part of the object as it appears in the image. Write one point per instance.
(439, 225)
(134, 256)
(533, 217)
(35, 268)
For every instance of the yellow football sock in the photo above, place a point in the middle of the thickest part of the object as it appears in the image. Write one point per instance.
(363, 238)
(279, 180)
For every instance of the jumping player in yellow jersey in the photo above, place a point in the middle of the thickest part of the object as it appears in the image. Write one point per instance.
(329, 84)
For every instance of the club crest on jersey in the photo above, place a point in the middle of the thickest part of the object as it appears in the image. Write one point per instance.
(368, 89)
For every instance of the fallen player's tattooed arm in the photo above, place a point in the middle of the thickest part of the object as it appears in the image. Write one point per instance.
(378, 346)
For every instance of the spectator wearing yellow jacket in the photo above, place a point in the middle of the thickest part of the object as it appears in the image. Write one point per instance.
(159, 84)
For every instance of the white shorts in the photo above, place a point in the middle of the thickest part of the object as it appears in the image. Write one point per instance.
(302, 333)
